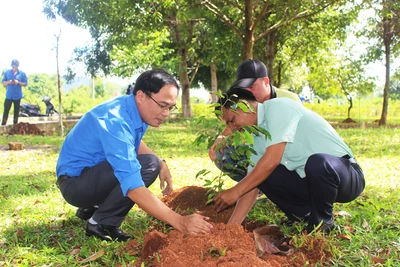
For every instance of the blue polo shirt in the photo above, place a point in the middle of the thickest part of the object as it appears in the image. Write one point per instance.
(304, 132)
(111, 131)
(14, 91)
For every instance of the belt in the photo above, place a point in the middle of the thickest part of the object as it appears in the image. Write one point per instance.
(352, 160)
(61, 179)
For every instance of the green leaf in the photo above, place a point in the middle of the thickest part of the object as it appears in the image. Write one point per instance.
(243, 107)
(249, 138)
(202, 172)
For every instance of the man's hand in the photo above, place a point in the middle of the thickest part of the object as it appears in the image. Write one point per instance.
(191, 224)
(165, 177)
(212, 152)
(225, 199)
(194, 224)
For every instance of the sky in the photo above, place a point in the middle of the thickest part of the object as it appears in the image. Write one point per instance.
(28, 36)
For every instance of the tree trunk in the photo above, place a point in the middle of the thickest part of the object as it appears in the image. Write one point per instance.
(185, 86)
(350, 107)
(279, 76)
(59, 88)
(386, 91)
(93, 91)
(248, 41)
(270, 55)
(214, 83)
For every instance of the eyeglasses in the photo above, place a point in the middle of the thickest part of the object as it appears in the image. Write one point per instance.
(163, 107)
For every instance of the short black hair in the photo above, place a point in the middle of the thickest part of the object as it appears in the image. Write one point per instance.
(232, 96)
(152, 81)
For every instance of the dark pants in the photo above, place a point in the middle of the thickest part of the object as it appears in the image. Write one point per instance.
(7, 107)
(329, 179)
(99, 186)
(233, 161)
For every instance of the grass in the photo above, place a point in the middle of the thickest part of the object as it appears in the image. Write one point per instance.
(38, 228)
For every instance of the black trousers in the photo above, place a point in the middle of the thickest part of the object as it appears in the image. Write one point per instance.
(329, 179)
(99, 186)
(7, 107)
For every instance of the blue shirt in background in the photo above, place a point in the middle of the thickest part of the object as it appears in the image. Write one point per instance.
(14, 91)
(111, 131)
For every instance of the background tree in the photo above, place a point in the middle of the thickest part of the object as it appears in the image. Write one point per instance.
(253, 20)
(129, 25)
(395, 86)
(353, 81)
(57, 36)
(383, 37)
(299, 43)
(40, 85)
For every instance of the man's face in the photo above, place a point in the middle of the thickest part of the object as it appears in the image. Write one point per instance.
(260, 90)
(238, 118)
(14, 68)
(155, 108)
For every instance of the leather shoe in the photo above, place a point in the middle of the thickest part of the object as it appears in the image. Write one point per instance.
(325, 228)
(293, 220)
(107, 233)
(85, 213)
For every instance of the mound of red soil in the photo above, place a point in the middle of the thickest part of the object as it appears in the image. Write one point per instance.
(226, 245)
(190, 199)
(349, 120)
(26, 128)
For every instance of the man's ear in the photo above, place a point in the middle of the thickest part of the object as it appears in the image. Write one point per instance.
(266, 80)
(140, 96)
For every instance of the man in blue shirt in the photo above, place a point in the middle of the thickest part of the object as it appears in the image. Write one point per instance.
(104, 167)
(304, 167)
(13, 80)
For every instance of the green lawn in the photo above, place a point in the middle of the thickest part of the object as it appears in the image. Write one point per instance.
(38, 228)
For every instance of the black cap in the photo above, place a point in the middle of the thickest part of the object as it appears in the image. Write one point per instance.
(15, 62)
(248, 72)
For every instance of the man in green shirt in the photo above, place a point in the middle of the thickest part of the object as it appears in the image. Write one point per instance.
(251, 75)
(303, 168)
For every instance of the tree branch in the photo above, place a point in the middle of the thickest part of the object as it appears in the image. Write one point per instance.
(214, 9)
(315, 9)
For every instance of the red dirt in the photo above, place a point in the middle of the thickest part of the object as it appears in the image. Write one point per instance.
(349, 120)
(26, 128)
(188, 200)
(227, 245)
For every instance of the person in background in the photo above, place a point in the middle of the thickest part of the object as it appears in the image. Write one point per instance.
(251, 75)
(304, 172)
(104, 167)
(129, 90)
(13, 80)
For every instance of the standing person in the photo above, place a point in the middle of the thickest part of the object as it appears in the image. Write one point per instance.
(302, 171)
(13, 80)
(251, 75)
(104, 167)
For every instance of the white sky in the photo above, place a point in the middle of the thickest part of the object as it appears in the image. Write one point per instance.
(28, 36)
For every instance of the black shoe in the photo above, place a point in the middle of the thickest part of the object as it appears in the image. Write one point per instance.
(325, 228)
(85, 213)
(293, 220)
(106, 233)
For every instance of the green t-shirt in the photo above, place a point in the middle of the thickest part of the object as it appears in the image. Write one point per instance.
(304, 131)
(286, 93)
